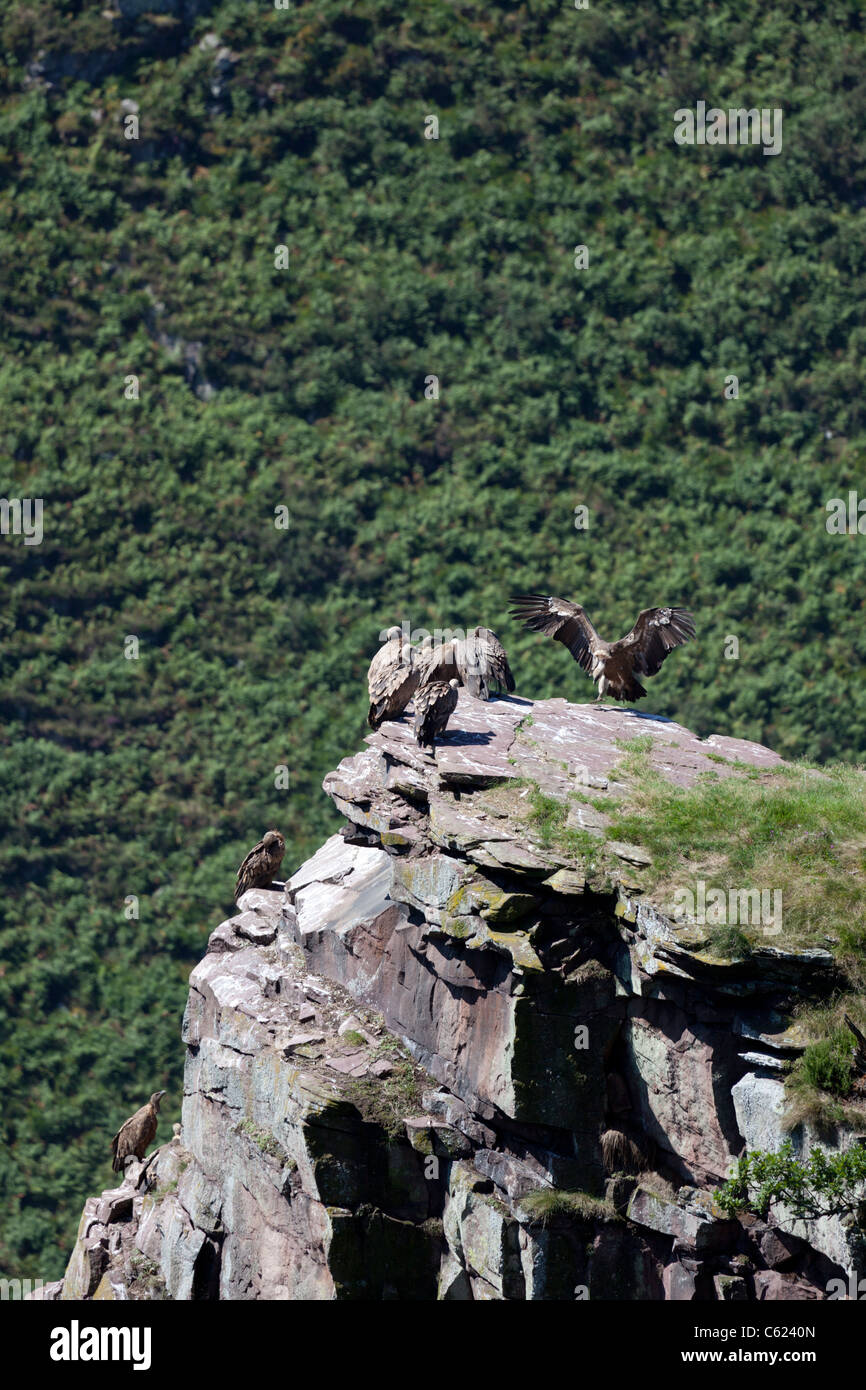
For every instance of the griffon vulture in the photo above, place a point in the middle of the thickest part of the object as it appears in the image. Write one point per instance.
(434, 705)
(261, 864)
(134, 1136)
(482, 662)
(386, 657)
(393, 687)
(614, 666)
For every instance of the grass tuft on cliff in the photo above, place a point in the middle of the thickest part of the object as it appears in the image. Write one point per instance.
(548, 1203)
(797, 830)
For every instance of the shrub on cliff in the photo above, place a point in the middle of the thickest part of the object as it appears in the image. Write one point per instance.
(824, 1185)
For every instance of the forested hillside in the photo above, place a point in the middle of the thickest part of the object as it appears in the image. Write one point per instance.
(304, 388)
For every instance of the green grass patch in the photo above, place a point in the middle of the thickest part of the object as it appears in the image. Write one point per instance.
(798, 829)
(387, 1100)
(261, 1138)
(548, 1203)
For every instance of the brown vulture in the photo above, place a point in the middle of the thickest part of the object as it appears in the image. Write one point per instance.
(434, 705)
(437, 661)
(134, 1136)
(393, 686)
(386, 657)
(261, 864)
(482, 662)
(614, 666)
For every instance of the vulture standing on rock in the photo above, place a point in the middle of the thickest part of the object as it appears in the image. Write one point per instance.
(614, 666)
(136, 1134)
(387, 655)
(393, 685)
(439, 662)
(261, 864)
(483, 662)
(434, 705)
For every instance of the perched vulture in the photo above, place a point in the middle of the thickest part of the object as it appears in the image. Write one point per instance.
(136, 1134)
(393, 687)
(386, 657)
(614, 666)
(261, 864)
(482, 662)
(438, 662)
(434, 705)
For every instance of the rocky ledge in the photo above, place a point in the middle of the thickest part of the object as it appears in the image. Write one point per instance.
(463, 1058)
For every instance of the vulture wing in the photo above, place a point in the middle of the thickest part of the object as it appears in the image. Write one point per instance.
(482, 661)
(440, 663)
(387, 657)
(250, 868)
(133, 1137)
(392, 692)
(434, 705)
(117, 1145)
(258, 868)
(654, 636)
(564, 621)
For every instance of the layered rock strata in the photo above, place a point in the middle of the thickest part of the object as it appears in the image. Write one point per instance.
(467, 1055)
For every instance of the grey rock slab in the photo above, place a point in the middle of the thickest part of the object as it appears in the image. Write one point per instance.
(697, 1230)
(759, 1105)
(452, 828)
(254, 926)
(302, 1040)
(354, 890)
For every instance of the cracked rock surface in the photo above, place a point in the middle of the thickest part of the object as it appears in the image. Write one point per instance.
(455, 1061)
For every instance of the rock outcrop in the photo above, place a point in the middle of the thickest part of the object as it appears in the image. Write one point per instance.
(466, 1054)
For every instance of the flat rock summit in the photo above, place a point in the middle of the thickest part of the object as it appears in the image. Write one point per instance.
(469, 1053)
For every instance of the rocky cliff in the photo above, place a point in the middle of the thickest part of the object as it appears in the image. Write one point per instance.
(468, 1054)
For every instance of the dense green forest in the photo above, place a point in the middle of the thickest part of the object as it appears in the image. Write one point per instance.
(304, 388)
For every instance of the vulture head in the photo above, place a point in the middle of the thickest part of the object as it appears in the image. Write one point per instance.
(156, 1098)
(273, 840)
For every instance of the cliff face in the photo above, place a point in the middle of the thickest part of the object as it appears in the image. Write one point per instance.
(463, 1057)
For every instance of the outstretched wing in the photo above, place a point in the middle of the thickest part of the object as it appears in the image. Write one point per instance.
(565, 622)
(654, 636)
(482, 661)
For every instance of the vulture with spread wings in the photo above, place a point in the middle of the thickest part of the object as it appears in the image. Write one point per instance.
(614, 666)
